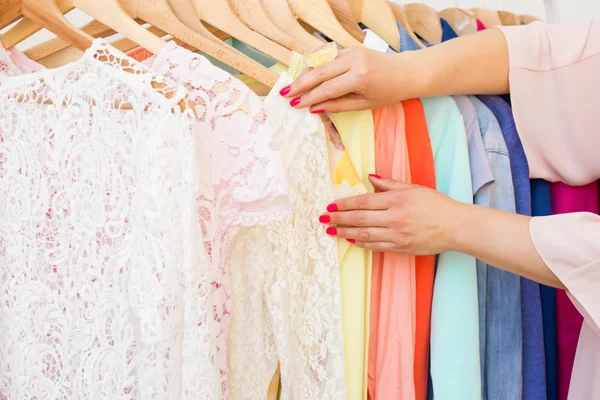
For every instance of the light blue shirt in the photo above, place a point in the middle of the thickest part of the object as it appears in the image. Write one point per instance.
(455, 360)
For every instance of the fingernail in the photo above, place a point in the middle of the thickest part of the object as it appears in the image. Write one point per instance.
(331, 231)
(324, 219)
(332, 208)
(285, 90)
(374, 176)
(351, 241)
(295, 102)
(317, 111)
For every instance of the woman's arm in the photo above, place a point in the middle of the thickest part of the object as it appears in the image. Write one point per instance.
(365, 79)
(412, 219)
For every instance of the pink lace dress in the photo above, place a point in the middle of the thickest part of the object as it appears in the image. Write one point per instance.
(243, 182)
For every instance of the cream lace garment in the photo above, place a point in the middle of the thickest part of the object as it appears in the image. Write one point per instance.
(102, 283)
(285, 278)
(243, 182)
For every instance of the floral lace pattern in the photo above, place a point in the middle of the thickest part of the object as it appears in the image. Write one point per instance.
(285, 278)
(100, 272)
(243, 182)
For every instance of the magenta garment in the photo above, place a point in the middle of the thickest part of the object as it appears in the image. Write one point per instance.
(480, 26)
(568, 199)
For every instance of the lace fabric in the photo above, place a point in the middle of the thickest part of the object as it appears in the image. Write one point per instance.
(243, 182)
(101, 278)
(285, 278)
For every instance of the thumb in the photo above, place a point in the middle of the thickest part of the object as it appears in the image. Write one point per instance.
(385, 185)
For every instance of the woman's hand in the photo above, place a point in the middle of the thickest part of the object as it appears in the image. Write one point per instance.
(401, 218)
(416, 220)
(361, 79)
(358, 79)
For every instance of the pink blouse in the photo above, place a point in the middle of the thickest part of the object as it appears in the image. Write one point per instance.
(554, 83)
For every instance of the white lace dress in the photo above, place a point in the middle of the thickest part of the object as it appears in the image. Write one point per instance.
(285, 278)
(100, 271)
(243, 182)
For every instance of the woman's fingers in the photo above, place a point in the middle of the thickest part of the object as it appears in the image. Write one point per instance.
(331, 89)
(357, 218)
(313, 78)
(361, 234)
(375, 201)
(348, 102)
(382, 247)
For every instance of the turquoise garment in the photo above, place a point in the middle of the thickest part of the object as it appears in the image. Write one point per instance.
(455, 359)
(243, 48)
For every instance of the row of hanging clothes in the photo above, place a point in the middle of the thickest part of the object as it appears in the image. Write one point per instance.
(160, 226)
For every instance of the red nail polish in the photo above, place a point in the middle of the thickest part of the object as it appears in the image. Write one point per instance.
(331, 231)
(285, 90)
(324, 219)
(351, 241)
(332, 208)
(295, 102)
(317, 111)
(374, 176)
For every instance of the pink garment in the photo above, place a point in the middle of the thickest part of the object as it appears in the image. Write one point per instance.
(554, 86)
(393, 293)
(244, 182)
(480, 26)
(25, 64)
(569, 199)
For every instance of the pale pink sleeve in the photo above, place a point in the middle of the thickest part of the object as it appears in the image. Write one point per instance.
(569, 244)
(555, 90)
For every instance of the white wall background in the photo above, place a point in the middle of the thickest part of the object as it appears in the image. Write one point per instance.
(554, 11)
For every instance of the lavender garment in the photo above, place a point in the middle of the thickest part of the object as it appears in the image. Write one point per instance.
(481, 172)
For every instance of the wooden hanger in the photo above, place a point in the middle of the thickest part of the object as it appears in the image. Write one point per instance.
(282, 16)
(158, 13)
(70, 54)
(425, 22)
(319, 15)
(10, 11)
(219, 14)
(184, 10)
(489, 18)
(26, 28)
(255, 16)
(462, 21)
(47, 13)
(377, 16)
(509, 19)
(343, 13)
(402, 19)
(57, 44)
(528, 19)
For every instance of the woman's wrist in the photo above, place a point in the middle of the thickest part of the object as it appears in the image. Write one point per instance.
(411, 78)
(458, 227)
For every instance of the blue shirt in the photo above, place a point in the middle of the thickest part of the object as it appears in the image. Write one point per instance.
(447, 31)
(500, 326)
(542, 206)
(406, 42)
(534, 363)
